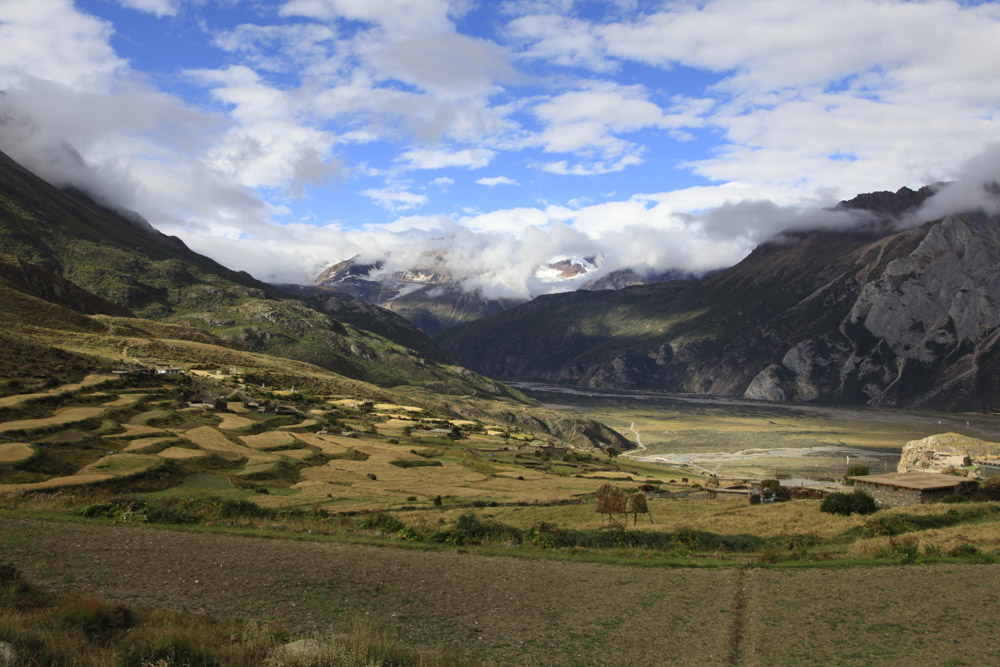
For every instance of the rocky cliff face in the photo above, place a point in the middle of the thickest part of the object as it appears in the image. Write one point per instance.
(917, 328)
(868, 315)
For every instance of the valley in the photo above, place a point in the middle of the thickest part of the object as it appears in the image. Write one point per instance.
(188, 440)
(740, 438)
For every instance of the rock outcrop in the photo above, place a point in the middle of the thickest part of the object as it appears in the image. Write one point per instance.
(946, 452)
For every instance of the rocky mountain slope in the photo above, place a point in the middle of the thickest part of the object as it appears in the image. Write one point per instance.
(85, 288)
(864, 315)
(434, 300)
(427, 295)
(63, 247)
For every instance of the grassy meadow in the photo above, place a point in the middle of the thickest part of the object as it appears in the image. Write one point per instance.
(343, 469)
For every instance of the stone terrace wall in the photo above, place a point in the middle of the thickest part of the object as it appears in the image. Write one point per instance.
(889, 496)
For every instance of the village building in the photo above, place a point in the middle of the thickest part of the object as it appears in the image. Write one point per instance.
(911, 488)
(132, 370)
(989, 468)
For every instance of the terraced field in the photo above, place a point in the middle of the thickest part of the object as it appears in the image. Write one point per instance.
(340, 453)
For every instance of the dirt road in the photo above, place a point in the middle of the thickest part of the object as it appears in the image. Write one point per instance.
(523, 612)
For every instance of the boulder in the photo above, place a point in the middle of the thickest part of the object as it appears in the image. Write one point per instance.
(8, 656)
(945, 451)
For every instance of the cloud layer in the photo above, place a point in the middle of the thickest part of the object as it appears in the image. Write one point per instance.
(500, 135)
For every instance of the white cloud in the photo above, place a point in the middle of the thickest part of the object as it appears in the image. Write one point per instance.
(448, 65)
(594, 168)
(309, 48)
(395, 198)
(590, 121)
(492, 181)
(561, 40)
(271, 146)
(411, 15)
(854, 94)
(794, 104)
(974, 188)
(50, 41)
(159, 7)
(435, 158)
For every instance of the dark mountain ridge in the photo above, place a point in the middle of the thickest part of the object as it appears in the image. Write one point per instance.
(63, 246)
(84, 287)
(868, 314)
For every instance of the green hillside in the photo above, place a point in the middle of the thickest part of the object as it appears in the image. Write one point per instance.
(64, 247)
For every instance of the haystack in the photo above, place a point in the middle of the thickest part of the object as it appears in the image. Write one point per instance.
(610, 500)
(635, 504)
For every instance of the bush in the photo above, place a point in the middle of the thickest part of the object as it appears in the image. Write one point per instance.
(989, 489)
(855, 470)
(470, 529)
(100, 621)
(232, 509)
(856, 502)
(411, 463)
(382, 521)
(128, 510)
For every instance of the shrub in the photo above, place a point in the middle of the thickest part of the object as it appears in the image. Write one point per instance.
(382, 521)
(128, 510)
(989, 489)
(470, 529)
(856, 502)
(836, 503)
(855, 470)
(98, 620)
(232, 509)
(419, 463)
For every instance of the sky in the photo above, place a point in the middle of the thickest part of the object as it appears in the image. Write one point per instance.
(280, 137)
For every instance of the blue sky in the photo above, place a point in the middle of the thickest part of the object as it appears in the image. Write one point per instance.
(279, 137)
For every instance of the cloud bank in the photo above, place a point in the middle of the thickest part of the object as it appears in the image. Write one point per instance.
(504, 135)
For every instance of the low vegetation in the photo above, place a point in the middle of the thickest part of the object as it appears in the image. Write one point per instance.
(856, 502)
(41, 628)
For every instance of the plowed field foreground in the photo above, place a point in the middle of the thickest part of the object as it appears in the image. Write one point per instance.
(524, 612)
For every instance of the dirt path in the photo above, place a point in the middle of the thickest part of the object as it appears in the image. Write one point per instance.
(640, 448)
(511, 611)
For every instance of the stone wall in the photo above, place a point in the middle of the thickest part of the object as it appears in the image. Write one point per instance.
(891, 496)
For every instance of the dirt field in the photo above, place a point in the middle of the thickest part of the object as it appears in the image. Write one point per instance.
(523, 612)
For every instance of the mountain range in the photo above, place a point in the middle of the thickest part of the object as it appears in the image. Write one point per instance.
(432, 298)
(876, 313)
(873, 314)
(85, 286)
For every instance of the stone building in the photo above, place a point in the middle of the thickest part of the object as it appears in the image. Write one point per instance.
(911, 488)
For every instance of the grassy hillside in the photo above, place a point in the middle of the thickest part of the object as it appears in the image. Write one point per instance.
(64, 247)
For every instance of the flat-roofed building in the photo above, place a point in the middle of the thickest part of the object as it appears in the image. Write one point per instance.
(911, 488)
